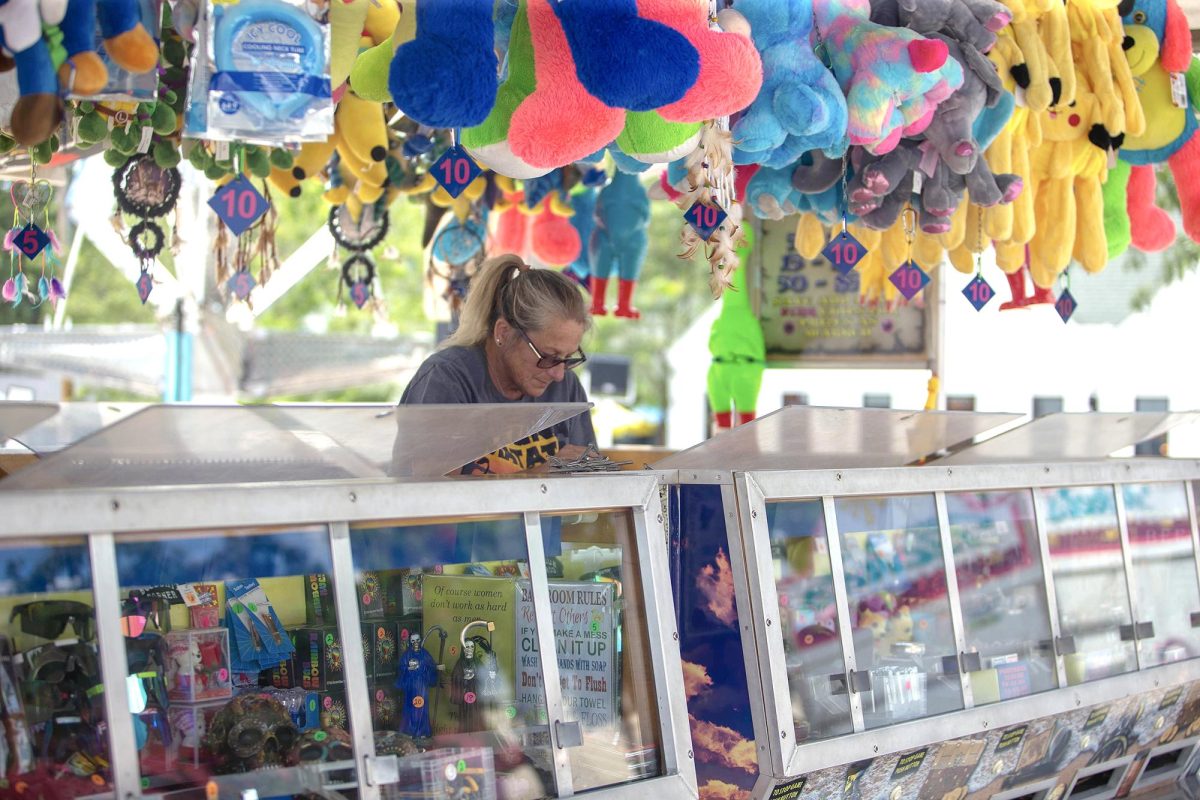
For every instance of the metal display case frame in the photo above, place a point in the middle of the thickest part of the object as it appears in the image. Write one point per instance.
(762, 639)
(100, 515)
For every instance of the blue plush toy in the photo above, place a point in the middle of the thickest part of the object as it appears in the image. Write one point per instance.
(619, 242)
(445, 77)
(38, 111)
(584, 204)
(800, 106)
(642, 65)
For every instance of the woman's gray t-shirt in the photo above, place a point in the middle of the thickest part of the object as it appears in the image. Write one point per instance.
(460, 375)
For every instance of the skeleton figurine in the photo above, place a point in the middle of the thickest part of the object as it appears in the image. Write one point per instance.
(321, 746)
(491, 683)
(464, 689)
(416, 674)
(252, 732)
(324, 746)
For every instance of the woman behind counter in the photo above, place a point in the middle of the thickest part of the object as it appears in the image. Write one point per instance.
(517, 341)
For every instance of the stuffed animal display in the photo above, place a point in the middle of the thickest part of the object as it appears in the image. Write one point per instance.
(1159, 51)
(618, 243)
(933, 130)
(738, 350)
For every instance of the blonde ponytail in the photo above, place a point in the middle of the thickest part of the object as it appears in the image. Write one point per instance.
(531, 299)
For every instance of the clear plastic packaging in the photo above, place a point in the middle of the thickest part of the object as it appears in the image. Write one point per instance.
(268, 72)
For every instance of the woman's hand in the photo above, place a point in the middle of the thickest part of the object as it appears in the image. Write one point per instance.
(570, 452)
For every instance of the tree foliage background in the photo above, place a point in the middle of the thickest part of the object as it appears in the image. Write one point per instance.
(670, 294)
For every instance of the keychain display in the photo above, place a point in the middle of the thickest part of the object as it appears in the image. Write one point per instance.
(26, 238)
(359, 237)
(455, 254)
(358, 278)
(148, 192)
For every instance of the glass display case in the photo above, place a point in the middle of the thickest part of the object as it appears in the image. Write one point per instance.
(946, 627)
(201, 601)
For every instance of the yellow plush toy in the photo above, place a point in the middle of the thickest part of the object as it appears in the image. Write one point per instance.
(307, 163)
(1021, 59)
(1068, 170)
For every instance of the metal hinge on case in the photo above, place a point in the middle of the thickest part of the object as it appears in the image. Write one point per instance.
(1139, 630)
(567, 734)
(1064, 645)
(964, 662)
(1196, 619)
(859, 680)
(383, 770)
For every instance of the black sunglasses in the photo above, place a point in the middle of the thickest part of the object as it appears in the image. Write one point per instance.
(550, 362)
(49, 618)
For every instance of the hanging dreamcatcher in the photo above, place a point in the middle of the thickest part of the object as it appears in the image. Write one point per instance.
(31, 200)
(358, 237)
(254, 246)
(148, 192)
(454, 258)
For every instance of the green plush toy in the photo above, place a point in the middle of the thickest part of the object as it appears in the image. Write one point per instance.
(738, 350)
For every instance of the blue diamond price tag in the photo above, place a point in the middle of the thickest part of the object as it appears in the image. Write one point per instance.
(144, 285)
(360, 293)
(978, 292)
(31, 240)
(910, 279)
(1065, 305)
(705, 219)
(455, 170)
(238, 204)
(241, 284)
(844, 252)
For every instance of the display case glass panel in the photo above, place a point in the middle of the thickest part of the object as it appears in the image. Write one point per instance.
(52, 725)
(453, 644)
(812, 642)
(1089, 581)
(1164, 571)
(1002, 593)
(896, 591)
(605, 664)
(225, 683)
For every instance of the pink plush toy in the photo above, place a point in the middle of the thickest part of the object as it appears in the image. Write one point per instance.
(730, 67)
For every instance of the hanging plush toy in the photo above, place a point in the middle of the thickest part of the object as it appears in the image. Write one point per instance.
(445, 77)
(893, 78)
(800, 106)
(738, 351)
(38, 111)
(619, 242)
(1168, 80)
(543, 117)
(583, 201)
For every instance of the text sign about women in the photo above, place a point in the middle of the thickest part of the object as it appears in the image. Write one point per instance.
(585, 640)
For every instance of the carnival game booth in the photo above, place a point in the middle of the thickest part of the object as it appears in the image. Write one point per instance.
(878, 609)
(201, 601)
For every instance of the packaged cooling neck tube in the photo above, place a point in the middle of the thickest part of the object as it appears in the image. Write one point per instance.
(269, 72)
